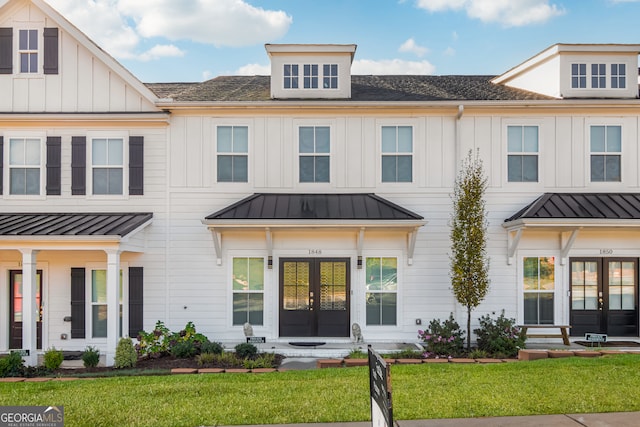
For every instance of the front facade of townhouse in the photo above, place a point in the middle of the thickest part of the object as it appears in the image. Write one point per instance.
(308, 200)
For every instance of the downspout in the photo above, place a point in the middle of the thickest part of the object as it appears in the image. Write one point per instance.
(458, 141)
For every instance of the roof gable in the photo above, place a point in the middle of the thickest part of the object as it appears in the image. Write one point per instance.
(92, 79)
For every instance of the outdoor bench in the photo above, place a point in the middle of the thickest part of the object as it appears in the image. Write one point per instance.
(563, 332)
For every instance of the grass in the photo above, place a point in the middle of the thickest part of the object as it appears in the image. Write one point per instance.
(551, 386)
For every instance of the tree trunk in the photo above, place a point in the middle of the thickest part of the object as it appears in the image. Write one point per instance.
(468, 330)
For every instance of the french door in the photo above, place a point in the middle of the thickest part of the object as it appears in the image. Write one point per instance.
(16, 306)
(604, 296)
(314, 297)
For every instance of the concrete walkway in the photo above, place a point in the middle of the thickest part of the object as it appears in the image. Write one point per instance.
(613, 419)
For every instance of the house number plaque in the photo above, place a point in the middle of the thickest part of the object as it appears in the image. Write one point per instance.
(315, 251)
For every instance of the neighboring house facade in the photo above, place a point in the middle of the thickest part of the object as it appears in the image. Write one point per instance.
(308, 200)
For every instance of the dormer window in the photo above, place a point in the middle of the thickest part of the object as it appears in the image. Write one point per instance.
(598, 76)
(28, 51)
(291, 76)
(618, 76)
(579, 76)
(311, 76)
(330, 80)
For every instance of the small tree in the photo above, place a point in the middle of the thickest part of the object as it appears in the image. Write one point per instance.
(469, 261)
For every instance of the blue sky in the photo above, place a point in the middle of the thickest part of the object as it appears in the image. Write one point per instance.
(194, 40)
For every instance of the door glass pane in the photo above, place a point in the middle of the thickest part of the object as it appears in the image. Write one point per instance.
(333, 286)
(590, 297)
(296, 286)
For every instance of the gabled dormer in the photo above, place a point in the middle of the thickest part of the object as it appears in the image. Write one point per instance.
(313, 71)
(578, 71)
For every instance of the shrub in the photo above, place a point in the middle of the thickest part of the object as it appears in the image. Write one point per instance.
(407, 353)
(246, 350)
(206, 358)
(223, 360)
(12, 365)
(264, 360)
(91, 357)
(184, 350)
(443, 339)
(53, 359)
(161, 340)
(211, 347)
(499, 337)
(126, 356)
(478, 354)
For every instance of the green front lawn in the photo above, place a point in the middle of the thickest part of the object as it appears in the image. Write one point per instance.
(569, 385)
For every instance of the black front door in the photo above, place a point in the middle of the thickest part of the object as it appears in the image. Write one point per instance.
(604, 296)
(314, 297)
(16, 305)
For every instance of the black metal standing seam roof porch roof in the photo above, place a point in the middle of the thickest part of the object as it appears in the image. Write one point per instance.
(338, 207)
(71, 224)
(581, 206)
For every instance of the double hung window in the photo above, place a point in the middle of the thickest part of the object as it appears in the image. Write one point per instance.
(522, 157)
(397, 153)
(248, 291)
(606, 153)
(310, 76)
(107, 165)
(25, 166)
(99, 304)
(28, 50)
(382, 290)
(598, 76)
(539, 290)
(233, 153)
(578, 76)
(314, 147)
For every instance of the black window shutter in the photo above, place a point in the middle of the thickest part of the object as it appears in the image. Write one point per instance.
(136, 165)
(1, 161)
(77, 303)
(136, 291)
(6, 50)
(50, 62)
(53, 165)
(78, 165)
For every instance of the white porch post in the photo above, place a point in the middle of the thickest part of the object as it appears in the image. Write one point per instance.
(29, 307)
(113, 304)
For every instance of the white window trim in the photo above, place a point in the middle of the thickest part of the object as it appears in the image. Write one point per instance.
(521, 153)
(125, 164)
(505, 152)
(250, 156)
(7, 168)
(89, 268)
(296, 150)
(361, 295)
(588, 125)
(561, 307)
(267, 294)
(416, 154)
(39, 27)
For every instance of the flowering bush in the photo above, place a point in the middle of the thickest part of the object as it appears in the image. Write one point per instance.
(500, 337)
(442, 339)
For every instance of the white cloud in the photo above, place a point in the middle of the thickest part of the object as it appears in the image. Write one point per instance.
(254, 70)
(161, 51)
(449, 51)
(411, 46)
(119, 26)
(221, 23)
(506, 12)
(391, 66)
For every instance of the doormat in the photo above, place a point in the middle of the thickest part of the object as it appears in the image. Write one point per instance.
(306, 344)
(609, 344)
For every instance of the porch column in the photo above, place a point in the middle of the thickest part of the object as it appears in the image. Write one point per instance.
(113, 304)
(29, 307)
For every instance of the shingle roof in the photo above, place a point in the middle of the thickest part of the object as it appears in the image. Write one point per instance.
(269, 206)
(71, 224)
(582, 206)
(363, 88)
